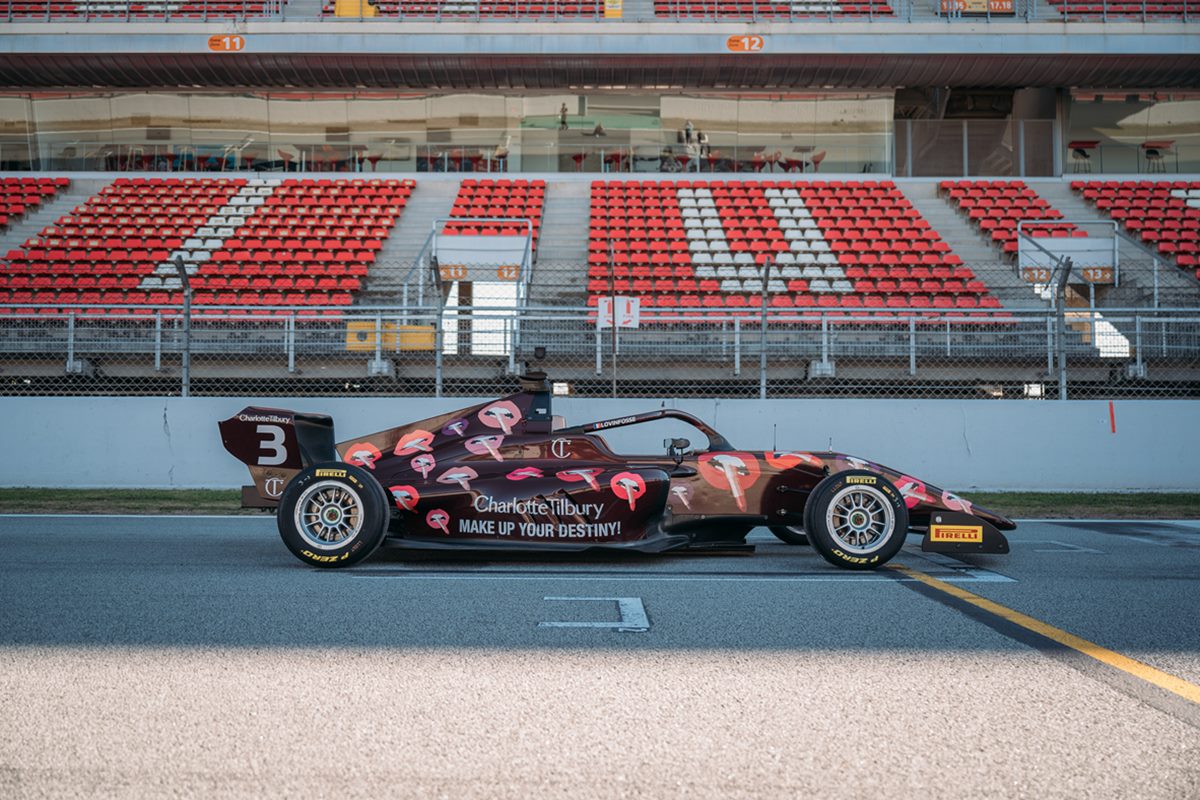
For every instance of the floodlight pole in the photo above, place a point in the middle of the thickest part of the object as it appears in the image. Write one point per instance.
(186, 370)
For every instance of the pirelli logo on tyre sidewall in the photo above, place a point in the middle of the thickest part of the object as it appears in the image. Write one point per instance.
(331, 473)
(956, 533)
(868, 480)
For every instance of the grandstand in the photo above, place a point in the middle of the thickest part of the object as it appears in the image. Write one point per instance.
(341, 191)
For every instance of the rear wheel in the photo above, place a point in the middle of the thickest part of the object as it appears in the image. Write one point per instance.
(790, 534)
(333, 515)
(856, 519)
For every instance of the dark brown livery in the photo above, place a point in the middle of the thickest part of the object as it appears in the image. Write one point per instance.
(507, 474)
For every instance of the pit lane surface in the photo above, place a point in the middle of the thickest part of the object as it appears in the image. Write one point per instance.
(153, 657)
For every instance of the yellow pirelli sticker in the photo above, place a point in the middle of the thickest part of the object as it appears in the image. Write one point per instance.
(956, 533)
(331, 473)
(867, 479)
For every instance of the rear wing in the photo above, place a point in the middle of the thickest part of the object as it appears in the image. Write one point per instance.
(275, 444)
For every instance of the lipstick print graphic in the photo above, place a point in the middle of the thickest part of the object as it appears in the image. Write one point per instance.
(455, 427)
(488, 443)
(521, 473)
(460, 475)
(417, 441)
(683, 493)
(955, 503)
(577, 475)
(362, 454)
(502, 414)
(437, 518)
(406, 497)
(913, 491)
(423, 464)
(734, 472)
(628, 486)
(787, 460)
(858, 463)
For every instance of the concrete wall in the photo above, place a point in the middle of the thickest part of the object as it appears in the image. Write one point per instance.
(173, 442)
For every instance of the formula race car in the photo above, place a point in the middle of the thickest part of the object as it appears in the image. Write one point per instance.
(508, 474)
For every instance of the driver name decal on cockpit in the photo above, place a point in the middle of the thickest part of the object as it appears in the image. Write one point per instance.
(614, 422)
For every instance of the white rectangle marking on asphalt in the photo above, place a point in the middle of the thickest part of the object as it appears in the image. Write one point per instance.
(961, 571)
(633, 615)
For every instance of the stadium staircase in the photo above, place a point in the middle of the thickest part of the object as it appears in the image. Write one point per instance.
(430, 200)
(638, 10)
(303, 10)
(15, 236)
(1177, 287)
(969, 244)
(563, 246)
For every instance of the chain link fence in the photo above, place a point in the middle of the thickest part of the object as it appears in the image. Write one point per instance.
(412, 334)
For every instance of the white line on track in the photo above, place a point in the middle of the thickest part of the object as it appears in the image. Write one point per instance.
(633, 578)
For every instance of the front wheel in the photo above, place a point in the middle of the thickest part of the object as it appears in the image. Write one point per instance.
(790, 534)
(333, 515)
(856, 519)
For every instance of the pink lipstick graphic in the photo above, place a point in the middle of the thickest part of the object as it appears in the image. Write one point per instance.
(423, 464)
(628, 486)
(522, 473)
(488, 443)
(406, 497)
(417, 441)
(502, 414)
(460, 475)
(437, 518)
(363, 454)
(576, 475)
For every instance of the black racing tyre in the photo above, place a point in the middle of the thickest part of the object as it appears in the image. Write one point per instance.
(790, 534)
(856, 519)
(333, 515)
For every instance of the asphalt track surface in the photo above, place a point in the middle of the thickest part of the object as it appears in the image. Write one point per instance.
(160, 657)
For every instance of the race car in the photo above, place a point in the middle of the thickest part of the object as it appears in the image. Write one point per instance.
(508, 474)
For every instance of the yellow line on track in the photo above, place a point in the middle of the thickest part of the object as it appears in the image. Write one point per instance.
(1163, 680)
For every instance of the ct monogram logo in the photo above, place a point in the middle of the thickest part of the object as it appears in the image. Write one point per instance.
(561, 448)
(273, 486)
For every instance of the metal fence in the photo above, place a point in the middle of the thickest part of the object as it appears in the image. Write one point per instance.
(462, 351)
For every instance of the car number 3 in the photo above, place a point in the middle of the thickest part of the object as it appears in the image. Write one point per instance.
(272, 441)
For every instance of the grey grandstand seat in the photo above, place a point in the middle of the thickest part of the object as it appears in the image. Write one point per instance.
(743, 258)
(812, 271)
(819, 285)
(727, 271)
(706, 271)
(731, 285)
(842, 285)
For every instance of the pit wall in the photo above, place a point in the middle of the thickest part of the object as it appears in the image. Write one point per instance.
(133, 442)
